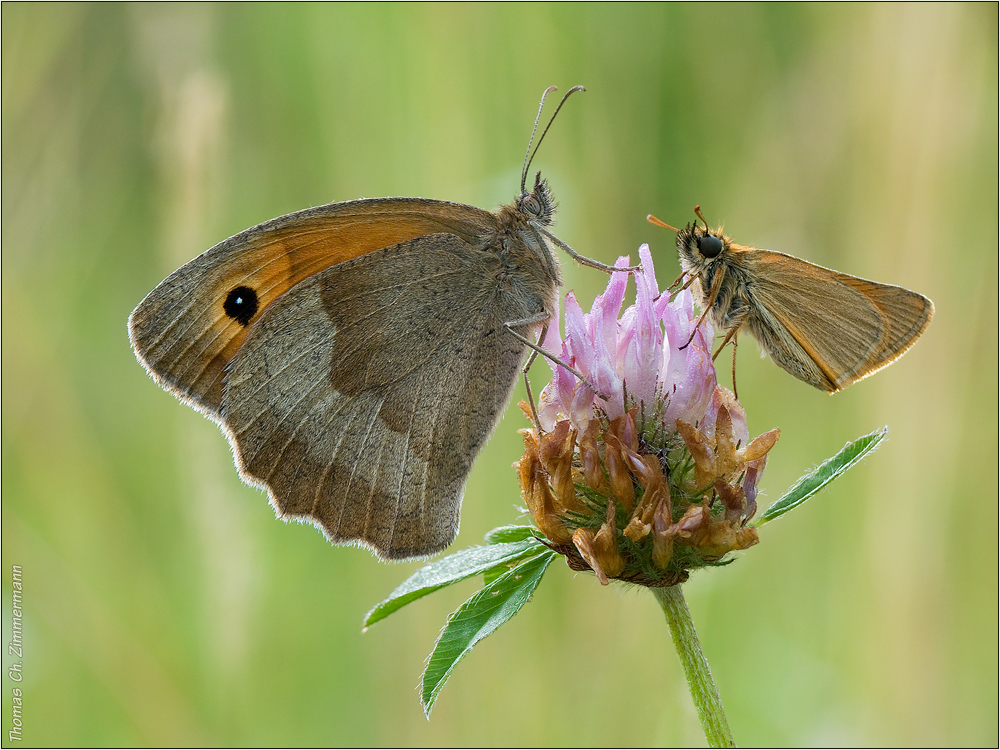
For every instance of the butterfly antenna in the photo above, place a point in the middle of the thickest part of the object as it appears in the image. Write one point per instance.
(530, 154)
(698, 213)
(653, 220)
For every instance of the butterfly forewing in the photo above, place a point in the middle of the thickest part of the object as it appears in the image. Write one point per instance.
(190, 327)
(846, 327)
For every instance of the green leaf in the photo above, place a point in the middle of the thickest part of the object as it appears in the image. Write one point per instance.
(493, 573)
(449, 570)
(510, 534)
(480, 616)
(823, 474)
(503, 534)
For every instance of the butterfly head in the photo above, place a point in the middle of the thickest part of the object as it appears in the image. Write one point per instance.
(537, 205)
(699, 247)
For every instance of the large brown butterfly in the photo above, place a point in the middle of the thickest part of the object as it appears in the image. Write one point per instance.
(358, 355)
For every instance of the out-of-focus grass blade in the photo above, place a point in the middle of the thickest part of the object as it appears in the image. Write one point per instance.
(823, 474)
(449, 570)
(480, 616)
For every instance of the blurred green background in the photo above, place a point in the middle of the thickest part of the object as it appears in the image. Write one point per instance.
(164, 605)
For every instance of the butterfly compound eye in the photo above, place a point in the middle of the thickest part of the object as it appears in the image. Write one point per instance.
(530, 205)
(709, 245)
(538, 204)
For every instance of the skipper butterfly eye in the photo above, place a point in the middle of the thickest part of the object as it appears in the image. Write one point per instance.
(709, 245)
(241, 305)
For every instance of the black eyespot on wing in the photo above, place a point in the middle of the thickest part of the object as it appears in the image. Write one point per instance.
(709, 245)
(241, 305)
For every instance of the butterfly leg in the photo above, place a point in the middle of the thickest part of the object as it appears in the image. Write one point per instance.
(527, 383)
(689, 282)
(527, 366)
(536, 350)
(713, 293)
(582, 259)
(732, 334)
(671, 290)
(735, 337)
